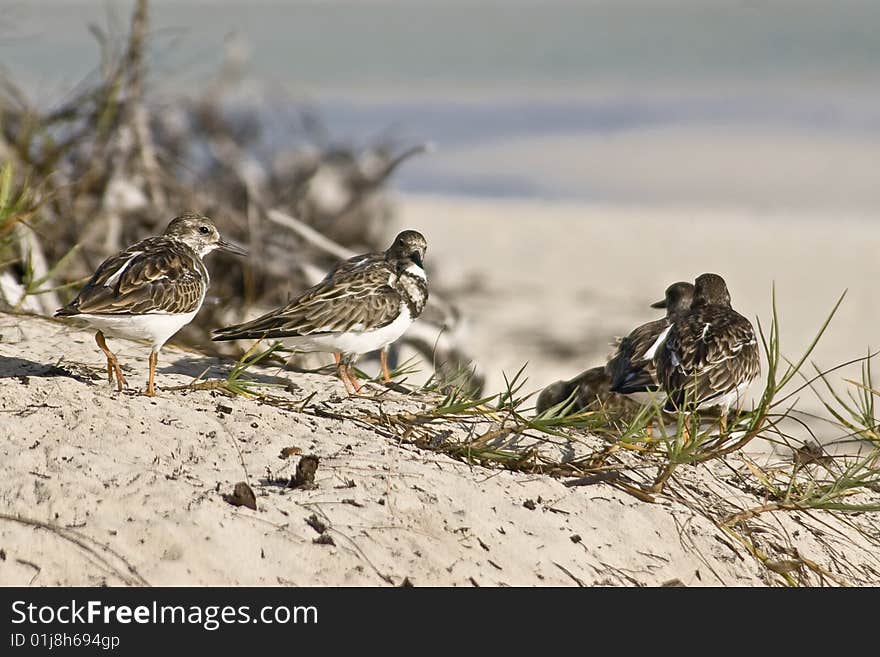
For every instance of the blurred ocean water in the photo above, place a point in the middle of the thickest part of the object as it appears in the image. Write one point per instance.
(477, 77)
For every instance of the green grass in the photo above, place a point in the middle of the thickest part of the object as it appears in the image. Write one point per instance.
(497, 424)
(17, 205)
(829, 487)
(235, 383)
(854, 410)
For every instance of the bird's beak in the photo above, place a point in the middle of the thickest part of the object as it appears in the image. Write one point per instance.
(231, 247)
(659, 304)
(417, 258)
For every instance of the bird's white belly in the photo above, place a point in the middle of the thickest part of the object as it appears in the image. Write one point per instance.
(733, 399)
(353, 342)
(156, 328)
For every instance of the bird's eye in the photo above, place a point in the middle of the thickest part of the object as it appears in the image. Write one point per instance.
(204, 230)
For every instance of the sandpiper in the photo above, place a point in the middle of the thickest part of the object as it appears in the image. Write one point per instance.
(586, 390)
(629, 372)
(363, 305)
(631, 368)
(710, 354)
(151, 290)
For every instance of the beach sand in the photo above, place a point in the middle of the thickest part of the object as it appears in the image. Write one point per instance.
(99, 487)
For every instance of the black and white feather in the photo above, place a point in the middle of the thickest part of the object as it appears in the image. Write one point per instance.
(631, 368)
(152, 289)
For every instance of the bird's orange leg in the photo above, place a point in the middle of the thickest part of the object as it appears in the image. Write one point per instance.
(383, 358)
(342, 373)
(354, 380)
(112, 362)
(99, 338)
(154, 358)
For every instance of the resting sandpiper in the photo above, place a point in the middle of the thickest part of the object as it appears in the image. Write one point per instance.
(710, 355)
(631, 368)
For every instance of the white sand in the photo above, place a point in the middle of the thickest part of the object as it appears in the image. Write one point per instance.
(130, 492)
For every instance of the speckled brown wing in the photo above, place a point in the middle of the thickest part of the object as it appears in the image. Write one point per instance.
(708, 353)
(354, 299)
(155, 275)
(628, 369)
(354, 263)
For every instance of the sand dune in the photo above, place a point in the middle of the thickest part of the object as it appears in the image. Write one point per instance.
(99, 487)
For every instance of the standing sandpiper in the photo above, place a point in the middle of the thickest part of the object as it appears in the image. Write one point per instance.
(151, 290)
(364, 304)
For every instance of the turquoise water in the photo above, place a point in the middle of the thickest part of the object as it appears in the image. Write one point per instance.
(462, 73)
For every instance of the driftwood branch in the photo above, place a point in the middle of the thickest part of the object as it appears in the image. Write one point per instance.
(135, 102)
(309, 234)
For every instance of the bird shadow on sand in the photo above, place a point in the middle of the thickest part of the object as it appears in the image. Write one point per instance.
(204, 368)
(567, 451)
(12, 367)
